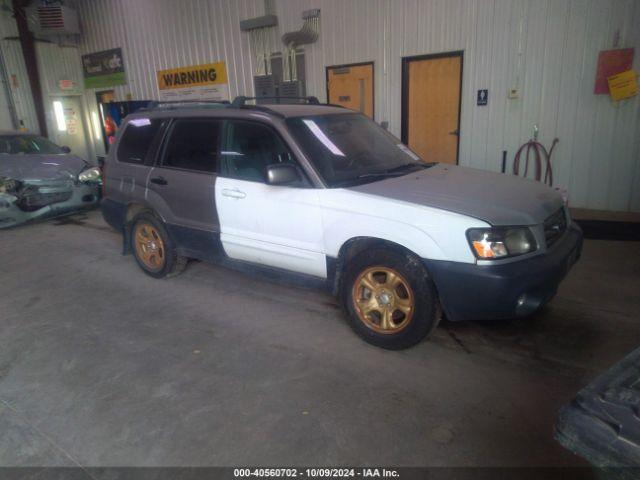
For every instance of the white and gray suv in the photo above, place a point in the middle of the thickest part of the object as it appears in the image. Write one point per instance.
(323, 195)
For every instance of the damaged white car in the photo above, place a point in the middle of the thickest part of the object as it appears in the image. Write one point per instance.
(39, 179)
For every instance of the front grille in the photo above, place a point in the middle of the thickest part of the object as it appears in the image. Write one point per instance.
(554, 226)
(34, 201)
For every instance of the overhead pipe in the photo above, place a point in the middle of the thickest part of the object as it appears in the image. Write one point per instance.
(309, 33)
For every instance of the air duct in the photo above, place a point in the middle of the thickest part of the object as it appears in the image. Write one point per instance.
(309, 33)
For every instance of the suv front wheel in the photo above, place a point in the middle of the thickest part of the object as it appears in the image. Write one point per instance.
(153, 249)
(389, 298)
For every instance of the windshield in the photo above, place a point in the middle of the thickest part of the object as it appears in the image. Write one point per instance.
(28, 145)
(349, 149)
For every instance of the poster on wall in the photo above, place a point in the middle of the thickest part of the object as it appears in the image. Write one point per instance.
(611, 62)
(623, 85)
(103, 69)
(196, 82)
(71, 120)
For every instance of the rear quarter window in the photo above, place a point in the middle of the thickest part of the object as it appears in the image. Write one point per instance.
(137, 139)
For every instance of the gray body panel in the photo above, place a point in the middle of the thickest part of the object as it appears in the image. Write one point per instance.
(187, 199)
(495, 198)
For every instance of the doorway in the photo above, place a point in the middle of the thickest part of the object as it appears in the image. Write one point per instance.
(431, 101)
(69, 127)
(351, 86)
(104, 98)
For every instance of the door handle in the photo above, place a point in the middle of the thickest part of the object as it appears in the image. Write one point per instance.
(455, 132)
(233, 193)
(159, 180)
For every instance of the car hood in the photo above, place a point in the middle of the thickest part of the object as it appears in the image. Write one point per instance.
(495, 198)
(41, 167)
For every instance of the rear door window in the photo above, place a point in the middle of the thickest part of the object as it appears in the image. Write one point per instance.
(193, 145)
(137, 139)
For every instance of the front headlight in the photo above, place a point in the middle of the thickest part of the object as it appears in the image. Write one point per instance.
(89, 175)
(491, 243)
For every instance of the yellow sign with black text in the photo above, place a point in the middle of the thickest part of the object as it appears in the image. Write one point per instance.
(623, 85)
(196, 82)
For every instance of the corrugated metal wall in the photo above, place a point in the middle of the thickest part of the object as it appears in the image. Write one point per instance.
(162, 34)
(60, 62)
(17, 72)
(546, 48)
(55, 63)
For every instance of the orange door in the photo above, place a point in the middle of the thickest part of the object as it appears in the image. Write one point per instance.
(352, 87)
(431, 106)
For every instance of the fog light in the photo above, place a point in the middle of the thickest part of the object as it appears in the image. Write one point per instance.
(521, 299)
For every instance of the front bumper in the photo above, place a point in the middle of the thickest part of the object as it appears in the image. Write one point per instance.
(486, 292)
(82, 196)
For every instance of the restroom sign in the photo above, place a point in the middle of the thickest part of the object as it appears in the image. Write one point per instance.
(483, 97)
(196, 82)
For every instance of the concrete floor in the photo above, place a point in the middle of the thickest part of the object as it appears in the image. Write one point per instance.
(101, 365)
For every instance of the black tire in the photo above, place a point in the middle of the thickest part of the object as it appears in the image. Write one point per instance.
(426, 308)
(172, 264)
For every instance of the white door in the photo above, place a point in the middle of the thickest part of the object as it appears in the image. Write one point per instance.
(277, 226)
(69, 128)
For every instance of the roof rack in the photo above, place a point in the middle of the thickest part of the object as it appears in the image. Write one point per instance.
(173, 104)
(240, 101)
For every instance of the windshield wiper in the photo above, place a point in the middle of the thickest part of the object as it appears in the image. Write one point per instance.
(396, 171)
(410, 165)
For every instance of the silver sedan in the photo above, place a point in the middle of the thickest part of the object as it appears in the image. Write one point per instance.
(39, 179)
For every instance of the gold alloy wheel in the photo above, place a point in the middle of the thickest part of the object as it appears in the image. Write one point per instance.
(149, 246)
(383, 300)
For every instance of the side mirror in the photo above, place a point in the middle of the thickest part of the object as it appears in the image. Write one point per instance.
(65, 149)
(282, 174)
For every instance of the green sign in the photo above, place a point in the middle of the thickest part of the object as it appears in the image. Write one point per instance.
(102, 81)
(103, 69)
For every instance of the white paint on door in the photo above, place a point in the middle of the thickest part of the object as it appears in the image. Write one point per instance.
(271, 225)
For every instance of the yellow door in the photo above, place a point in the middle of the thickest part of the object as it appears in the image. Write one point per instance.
(352, 87)
(432, 107)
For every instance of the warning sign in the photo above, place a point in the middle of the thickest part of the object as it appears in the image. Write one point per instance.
(623, 85)
(197, 82)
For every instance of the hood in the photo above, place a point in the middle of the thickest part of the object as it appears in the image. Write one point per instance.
(495, 198)
(41, 167)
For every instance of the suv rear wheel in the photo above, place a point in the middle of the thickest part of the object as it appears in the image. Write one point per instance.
(153, 249)
(389, 298)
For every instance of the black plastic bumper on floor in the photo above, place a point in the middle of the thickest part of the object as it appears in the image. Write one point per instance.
(602, 424)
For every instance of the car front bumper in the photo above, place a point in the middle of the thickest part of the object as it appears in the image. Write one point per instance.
(486, 292)
(80, 196)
